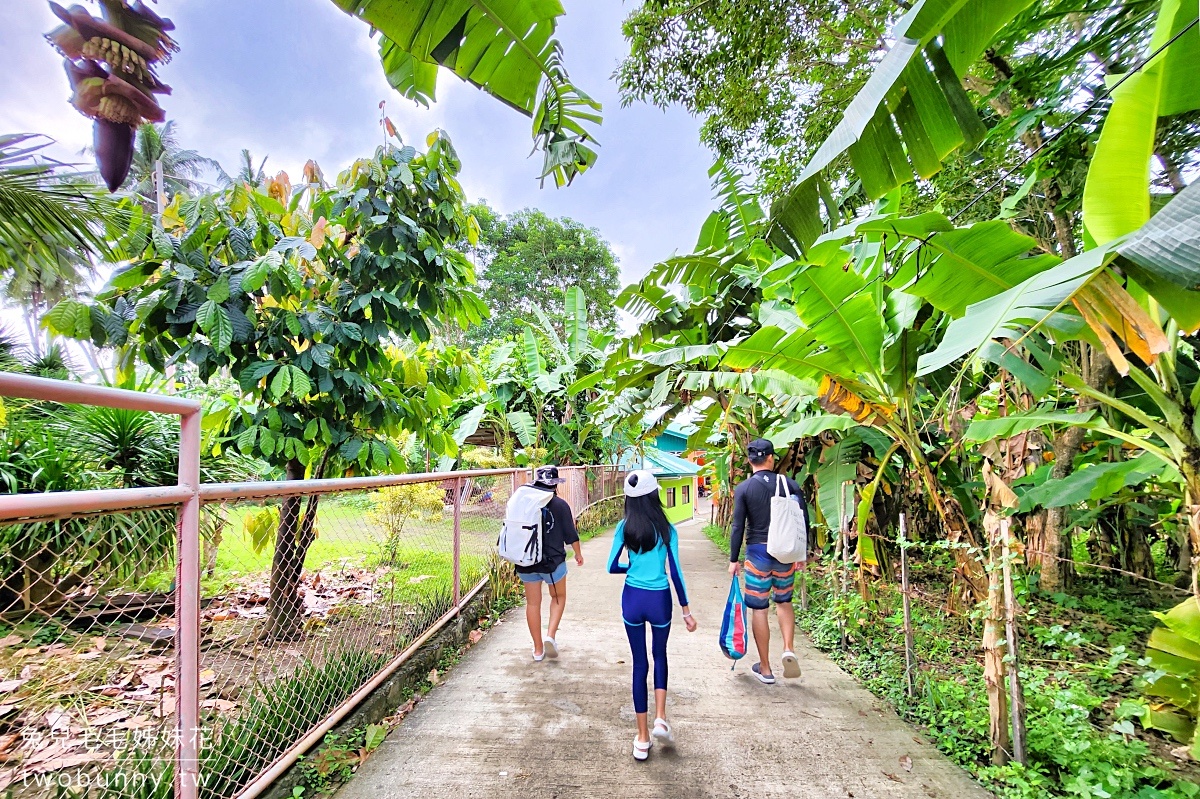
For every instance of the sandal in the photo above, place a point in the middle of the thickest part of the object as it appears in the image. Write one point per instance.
(539, 658)
(662, 733)
(791, 666)
(551, 648)
(641, 749)
(765, 679)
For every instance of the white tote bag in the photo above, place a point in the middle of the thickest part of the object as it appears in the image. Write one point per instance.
(787, 536)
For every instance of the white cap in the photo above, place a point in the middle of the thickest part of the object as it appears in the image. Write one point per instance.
(639, 483)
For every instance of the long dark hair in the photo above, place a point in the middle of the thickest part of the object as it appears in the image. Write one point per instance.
(645, 523)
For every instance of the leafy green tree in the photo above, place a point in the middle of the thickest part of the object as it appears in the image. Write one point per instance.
(527, 263)
(768, 79)
(306, 305)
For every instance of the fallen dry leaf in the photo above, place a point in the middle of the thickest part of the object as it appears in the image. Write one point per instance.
(9, 708)
(58, 720)
(11, 640)
(892, 777)
(223, 705)
(104, 717)
(906, 763)
(434, 676)
(8, 686)
(8, 741)
(228, 615)
(99, 643)
(475, 636)
(28, 672)
(207, 676)
(68, 761)
(90, 656)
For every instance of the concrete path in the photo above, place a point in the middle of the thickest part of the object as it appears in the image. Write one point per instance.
(503, 726)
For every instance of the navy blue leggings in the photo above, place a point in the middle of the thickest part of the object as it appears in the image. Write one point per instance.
(639, 607)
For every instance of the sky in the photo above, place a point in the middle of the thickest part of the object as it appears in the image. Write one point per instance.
(299, 79)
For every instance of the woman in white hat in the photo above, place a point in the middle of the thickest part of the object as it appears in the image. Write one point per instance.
(653, 547)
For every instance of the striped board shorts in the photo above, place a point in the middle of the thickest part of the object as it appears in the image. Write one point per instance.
(766, 578)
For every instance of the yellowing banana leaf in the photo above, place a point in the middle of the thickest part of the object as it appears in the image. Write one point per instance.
(1010, 313)
(836, 398)
(1110, 311)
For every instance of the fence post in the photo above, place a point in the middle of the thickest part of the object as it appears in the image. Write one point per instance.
(458, 500)
(910, 654)
(844, 537)
(187, 614)
(1016, 695)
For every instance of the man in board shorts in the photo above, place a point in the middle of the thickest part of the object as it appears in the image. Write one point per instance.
(766, 578)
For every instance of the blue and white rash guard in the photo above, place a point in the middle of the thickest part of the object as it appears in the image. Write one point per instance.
(649, 570)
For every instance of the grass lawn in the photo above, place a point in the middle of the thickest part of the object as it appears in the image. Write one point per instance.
(347, 537)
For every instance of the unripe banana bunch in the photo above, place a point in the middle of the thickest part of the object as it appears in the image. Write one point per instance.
(119, 58)
(117, 109)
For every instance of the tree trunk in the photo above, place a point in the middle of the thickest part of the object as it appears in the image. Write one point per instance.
(1051, 550)
(1171, 170)
(993, 645)
(285, 604)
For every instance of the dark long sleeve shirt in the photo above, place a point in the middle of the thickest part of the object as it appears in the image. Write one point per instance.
(752, 510)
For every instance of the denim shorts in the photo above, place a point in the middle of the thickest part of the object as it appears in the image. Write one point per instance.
(556, 576)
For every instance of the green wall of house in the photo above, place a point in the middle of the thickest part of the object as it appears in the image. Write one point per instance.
(681, 491)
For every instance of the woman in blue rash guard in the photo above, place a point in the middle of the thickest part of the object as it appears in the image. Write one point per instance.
(653, 547)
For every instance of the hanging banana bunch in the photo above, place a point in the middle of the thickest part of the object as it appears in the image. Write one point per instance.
(110, 63)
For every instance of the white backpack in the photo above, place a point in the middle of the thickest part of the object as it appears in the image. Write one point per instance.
(520, 540)
(787, 536)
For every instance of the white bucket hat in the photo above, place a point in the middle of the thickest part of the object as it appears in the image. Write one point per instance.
(639, 483)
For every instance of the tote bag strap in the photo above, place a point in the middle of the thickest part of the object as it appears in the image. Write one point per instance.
(781, 484)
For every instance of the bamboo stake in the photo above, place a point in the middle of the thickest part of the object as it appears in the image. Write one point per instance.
(845, 538)
(1017, 695)
(910, 677)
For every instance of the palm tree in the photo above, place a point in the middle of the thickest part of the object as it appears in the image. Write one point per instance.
(43, 212)
(50, 227)
(180, 167)
(247, 172)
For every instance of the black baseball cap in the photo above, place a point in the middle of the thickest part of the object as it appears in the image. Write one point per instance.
(759, 449)
(548, 476)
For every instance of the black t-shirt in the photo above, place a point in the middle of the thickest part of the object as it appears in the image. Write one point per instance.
(752, 510)
(559, 532)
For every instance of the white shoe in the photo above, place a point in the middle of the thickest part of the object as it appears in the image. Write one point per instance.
(791, 666)
(539, 658)
(662, 733)
(641, 749)
(551, 648)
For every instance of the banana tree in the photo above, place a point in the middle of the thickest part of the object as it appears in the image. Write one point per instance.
(504, 47)
(527, 394)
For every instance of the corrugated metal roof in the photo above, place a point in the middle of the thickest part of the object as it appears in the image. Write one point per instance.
(660, 463)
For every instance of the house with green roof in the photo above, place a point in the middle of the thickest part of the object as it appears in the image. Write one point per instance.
(676, 479)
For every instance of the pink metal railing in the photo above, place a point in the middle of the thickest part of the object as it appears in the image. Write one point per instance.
(187, 497)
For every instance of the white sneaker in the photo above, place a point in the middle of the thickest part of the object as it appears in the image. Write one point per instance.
(641, 749)
(539, 658)
(791, 665)
(550, 647)
(662, 733)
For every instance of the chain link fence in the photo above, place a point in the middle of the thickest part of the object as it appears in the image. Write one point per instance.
(88, 660)
(191, 640)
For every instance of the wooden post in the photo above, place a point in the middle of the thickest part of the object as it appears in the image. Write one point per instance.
(1016, 694)
(994, 665)
(910, 654)
(844, 535)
